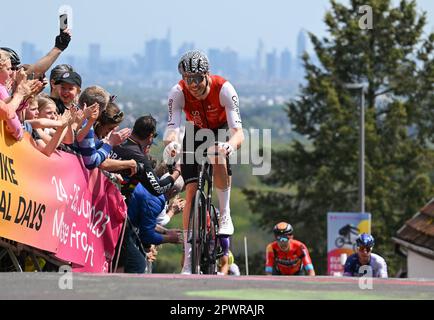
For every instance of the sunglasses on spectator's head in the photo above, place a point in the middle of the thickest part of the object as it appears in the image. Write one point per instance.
(197, 79)
(118, 116)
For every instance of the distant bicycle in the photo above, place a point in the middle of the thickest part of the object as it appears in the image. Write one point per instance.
(345, 236)
(203, 224)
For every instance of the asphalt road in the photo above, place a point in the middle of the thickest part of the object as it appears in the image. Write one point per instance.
(180, 287)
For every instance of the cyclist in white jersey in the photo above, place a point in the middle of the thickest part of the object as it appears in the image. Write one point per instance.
(208, 102)
(364, 262)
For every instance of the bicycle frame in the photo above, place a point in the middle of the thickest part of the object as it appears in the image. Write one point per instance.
(203, 223)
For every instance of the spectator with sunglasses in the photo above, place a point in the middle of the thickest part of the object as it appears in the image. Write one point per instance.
(136, 147)
(209, 102)
(375, 265)
(93, 102)
(287, 256)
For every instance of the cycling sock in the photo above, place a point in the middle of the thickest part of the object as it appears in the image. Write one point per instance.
(224, 197)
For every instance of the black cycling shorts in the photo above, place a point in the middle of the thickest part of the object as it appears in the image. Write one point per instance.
(189, 165)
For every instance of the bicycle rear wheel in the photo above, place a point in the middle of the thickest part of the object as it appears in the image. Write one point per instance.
(195, 232)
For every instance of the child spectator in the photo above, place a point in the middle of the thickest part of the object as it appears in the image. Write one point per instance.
(55, 74)
(68, 90)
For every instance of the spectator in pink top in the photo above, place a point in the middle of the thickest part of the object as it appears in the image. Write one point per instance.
(13, 125)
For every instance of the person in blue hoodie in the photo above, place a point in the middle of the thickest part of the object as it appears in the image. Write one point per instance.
(144, 209)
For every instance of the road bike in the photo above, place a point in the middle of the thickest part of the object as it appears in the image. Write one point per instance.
(203, 224)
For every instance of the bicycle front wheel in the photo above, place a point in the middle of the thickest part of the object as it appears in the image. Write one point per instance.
(212, 243)
(194, 229)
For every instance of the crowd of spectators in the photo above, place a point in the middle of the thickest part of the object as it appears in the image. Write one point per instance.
(85, 121)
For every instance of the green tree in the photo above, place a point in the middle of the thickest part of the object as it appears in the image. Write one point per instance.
(308, 180)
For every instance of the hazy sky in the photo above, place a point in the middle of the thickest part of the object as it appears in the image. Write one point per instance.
(122, 27)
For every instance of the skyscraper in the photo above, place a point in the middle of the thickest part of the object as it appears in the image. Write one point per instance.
(260, 58)
(158, 55)
(285, 64)
(301, 49)
(271, 67)
(94, 56)
(28, 52)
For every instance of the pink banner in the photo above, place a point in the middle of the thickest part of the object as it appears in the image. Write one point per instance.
(55, 204)
(89, 224)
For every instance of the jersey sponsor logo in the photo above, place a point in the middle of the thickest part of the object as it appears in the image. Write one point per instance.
(287, 262)
(156, 185)
(170, 110)
(236, 108)
(197, 118)
(235, 100)
(114, 155)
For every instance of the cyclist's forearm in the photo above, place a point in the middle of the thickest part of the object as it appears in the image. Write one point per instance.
(237, 138)
(311, 273)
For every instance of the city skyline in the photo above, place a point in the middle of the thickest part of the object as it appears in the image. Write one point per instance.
(157, 63)
(121, 29)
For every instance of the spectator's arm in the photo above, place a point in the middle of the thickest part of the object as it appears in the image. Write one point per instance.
(7, 110)
(172, 236)
(91, 114)
(45, 123)
(113, 165)
(160, 229)
(150, 181)
(92, 157)
(57, 138)
(44, 136)
(42, 65)
(83, 132)
(54, 142)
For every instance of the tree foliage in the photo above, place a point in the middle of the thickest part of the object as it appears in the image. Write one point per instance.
(396, 59)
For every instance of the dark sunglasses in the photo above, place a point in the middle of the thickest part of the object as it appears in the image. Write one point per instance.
(197, 79)
(282, 238)
(367, 249)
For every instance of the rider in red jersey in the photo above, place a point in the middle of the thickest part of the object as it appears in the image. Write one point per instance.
(287, 256)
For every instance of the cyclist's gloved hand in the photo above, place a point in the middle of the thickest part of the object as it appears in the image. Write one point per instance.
(171, 153)
(229, 150)
(62, 40)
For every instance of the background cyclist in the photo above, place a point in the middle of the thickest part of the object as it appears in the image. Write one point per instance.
(209, 102)
(287, 256)
(364, 257)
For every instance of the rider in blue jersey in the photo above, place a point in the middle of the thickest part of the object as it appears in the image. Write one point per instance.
(364, 262)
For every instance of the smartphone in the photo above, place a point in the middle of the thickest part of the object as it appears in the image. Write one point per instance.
(63, 22)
